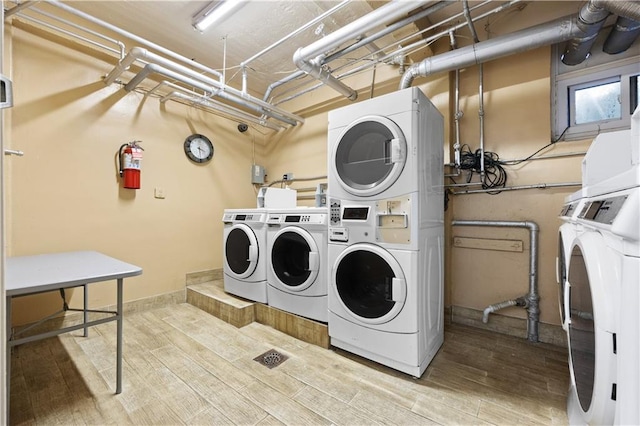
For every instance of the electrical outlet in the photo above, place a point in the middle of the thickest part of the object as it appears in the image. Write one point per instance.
(158, 193)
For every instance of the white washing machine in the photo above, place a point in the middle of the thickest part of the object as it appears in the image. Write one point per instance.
(387, 304)
(245, 253)
(386, 146)
(603, 296)
(567, 233)
(297, 261)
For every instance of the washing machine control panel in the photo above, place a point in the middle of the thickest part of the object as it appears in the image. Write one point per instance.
(302, 218)
(334, 212)
(603, 211)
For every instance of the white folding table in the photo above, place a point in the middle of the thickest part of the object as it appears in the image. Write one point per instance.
(28, 275)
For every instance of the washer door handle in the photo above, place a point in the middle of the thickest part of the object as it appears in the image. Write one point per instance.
(393, 151)
(314, 261)
(398, 289)
(253, 253)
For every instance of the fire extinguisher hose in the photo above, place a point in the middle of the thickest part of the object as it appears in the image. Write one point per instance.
(120, 158)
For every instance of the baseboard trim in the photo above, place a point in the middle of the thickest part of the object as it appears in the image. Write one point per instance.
(204, 276)
(547, 333)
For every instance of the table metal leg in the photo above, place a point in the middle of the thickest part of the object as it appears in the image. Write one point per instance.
(8, 354)
(84, 308)
(119, 338)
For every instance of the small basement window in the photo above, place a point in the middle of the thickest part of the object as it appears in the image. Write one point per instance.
(596, 96)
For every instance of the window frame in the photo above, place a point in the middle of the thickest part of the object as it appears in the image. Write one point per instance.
(597, 68)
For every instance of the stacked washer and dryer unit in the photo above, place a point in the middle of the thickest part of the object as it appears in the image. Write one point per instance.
(599, 276)
(385, 196)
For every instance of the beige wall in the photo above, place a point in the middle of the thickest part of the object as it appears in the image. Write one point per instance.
(65, 195)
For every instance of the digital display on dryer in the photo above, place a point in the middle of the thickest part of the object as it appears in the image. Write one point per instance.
(241, 217)
(289, 219)
(355, 213)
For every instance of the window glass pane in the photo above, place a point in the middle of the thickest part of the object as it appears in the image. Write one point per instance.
(635, 92)
(598, 103)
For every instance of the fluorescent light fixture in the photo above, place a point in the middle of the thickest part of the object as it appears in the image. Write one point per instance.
(214, 12)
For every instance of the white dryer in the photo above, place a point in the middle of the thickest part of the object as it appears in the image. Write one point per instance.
(603, 283)
(386, 146)
(297, 261)
(245, 253)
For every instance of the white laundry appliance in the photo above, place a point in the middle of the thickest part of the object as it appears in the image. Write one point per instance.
(297, 261)
(385, 146)
(386, 230)
(245, 253)
(386, 300)
(603, 297)
(567, 234)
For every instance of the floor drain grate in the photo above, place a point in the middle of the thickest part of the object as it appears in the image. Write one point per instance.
(271, 358)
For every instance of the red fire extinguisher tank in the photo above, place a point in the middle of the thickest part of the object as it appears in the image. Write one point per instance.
(130, 161)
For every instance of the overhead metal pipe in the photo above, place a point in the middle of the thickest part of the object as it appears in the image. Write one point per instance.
(389, 29)
(531, 299)
(562, 29)
(628, 9)
(306, 58)
(224, 109)
(622, 36)
(19, 7)
(157, 69)
(590, 20)
(231, 94)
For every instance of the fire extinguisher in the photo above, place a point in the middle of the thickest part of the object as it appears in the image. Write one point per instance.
(129, 164)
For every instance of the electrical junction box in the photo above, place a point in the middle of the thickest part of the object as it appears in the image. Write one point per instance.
(257, 174)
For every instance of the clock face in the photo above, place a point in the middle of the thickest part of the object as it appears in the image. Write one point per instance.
(198, 148)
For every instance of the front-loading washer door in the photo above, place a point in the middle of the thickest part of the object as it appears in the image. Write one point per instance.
(369, 155)
(590, 306)
(241, 251)
(370, 283)
(295, 258)
(561, 277)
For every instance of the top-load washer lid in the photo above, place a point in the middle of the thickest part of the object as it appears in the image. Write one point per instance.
(370, 283)
(370, 155)
(241, 251)
(592, 327)
(295, 258)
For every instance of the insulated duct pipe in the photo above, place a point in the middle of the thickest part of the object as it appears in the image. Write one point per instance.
(226, 92)
(389, 29)
(532, 298)
(622, 35)
(308, 58)
(562, 29)
(590, 20)
(628, 9)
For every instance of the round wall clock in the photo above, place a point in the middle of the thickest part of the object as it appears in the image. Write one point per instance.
(198, 148)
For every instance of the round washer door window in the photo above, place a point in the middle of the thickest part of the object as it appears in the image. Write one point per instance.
(295, 258)
(370, 283)
(370, 155)
(241, 251)
(591, 279)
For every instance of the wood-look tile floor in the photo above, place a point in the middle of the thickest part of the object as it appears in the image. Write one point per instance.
(184, 366)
